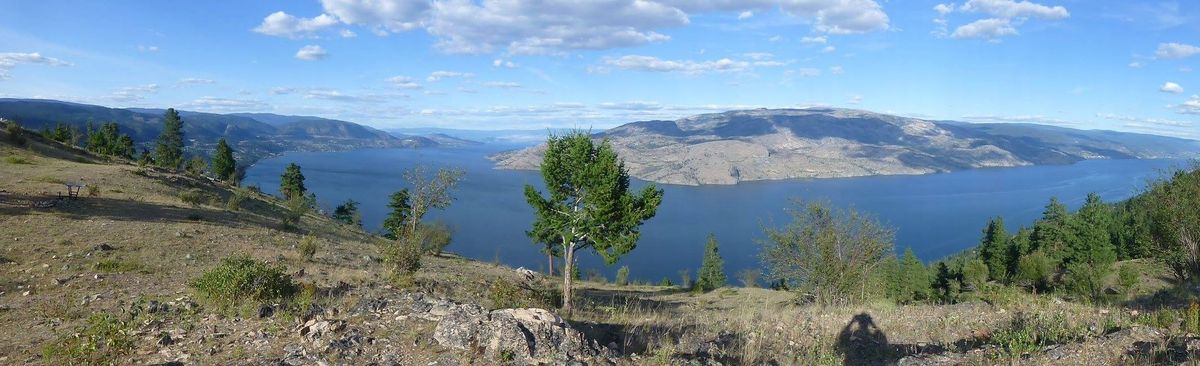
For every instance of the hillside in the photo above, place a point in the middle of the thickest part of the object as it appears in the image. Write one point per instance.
(107, 277)
(766, 144)
(254, 136)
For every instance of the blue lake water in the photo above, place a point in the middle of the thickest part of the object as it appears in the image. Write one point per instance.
(936, 215)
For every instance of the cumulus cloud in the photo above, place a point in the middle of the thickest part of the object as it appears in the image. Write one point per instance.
(439, 75)
(655, 64)
(840, 16)
(814, 40)
(10, 60)
(1015, 9)
(381, 16)
(404, 82)
(745, 15)
(504, 64)
(133, 93)
(311, 53)
(633, 105)
(282, 24)
(1170, 87)
(338, 96)
(1135, 65)
(836, 70)
(1003, 18)
(1190, 106)
(144, 48)
(1175, 51)
(989, 29)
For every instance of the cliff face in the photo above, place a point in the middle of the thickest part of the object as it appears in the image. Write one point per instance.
(765, 144)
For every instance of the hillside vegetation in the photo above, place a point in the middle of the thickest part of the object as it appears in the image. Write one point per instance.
(151, 266)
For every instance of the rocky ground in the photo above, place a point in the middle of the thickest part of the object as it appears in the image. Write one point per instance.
(105, 280)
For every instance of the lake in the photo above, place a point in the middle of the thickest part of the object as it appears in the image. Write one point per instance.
(936, 215)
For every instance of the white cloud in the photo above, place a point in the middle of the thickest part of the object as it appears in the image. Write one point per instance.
(404, 82)
(655, 64)
(828, 49)
(502, 85)
(144, 48)
(548, 26)
(282, 24)
(1170, 87)
(990, 29)
(311, 53)
(745, 15)
(836, 70)
(943, 9)
(504, 64)
(225, 105)
(804, 72)
(381, 16)
(856, 99)
(10, 60)
(840, 16)
(1008, 9)
(1175, 51)
(338, 96)
(1149, 121)
(1135, 65)
(194, 81)
(1190, 106)
(634, 105)
(814, 40)
(133, 93)
(1020, 118)
(439, 75)
(346, 33)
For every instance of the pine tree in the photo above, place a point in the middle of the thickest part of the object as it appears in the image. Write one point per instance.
(993, 248)
(946, 284)
(711, 275)
(394, 225)
(291, 183)
(1052, 234)
(589, 203)
(347, 213)
(975, 274)
(223, 164)
(168, 152)
(1017, 247)
(914, 278)
(1092, 254)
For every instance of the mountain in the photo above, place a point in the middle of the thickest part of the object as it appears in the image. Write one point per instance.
(517, 137)
(254, 135)
(765, 144)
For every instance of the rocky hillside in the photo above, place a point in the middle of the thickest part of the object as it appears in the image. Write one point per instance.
(253, 135)
(110, 279)
(765, 144)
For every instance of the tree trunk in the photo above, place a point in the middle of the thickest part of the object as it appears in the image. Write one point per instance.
(550, 260)
(568, 278)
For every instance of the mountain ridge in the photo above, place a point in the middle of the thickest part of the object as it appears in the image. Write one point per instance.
(770, 144)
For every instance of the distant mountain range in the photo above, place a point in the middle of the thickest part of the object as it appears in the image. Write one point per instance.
(765, 144)
(253, 135)
(486, 136)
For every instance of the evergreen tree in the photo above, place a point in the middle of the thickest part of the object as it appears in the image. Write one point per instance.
(947, 284)
(711, 275)
(993, 249)
(1092, 254)
(146, 158)
(196, 166)
(126, 148)
(223, 164)
(168, 152)
(914, 278)
(1018, 246)
(347, 213)
(1034, 270)
(1052, 234)
(291, 183)
(589, 203)
(394, 225)
(975, 274)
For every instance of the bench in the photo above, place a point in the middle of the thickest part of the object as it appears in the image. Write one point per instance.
(73, 189)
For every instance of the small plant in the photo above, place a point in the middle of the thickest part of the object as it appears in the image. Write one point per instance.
(17, 159)
(403, 258)
(242, 278)
(308, 247)
(49, 179)
(1127, 278)
(16, 133)
(623, 276)
(93, 190)
(1191, 319)
(297, 207)
(235, 200)
(102, 340)
(666, 282)
(196, 197)
(504, 295)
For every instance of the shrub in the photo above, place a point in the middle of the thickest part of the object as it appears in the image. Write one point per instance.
(665, 282)
(975, 274)
(622, 276)
(15, 133)
(296, 208)
(235, 200)
(93, 190)
(308, 247)
(434, 237)
(102, 340)
(403, 258)
(1127, 278)
(504, 294)
(17, 159)
(196, 197)
(242, 278)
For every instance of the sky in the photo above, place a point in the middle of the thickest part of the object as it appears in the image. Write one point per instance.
(536, 64)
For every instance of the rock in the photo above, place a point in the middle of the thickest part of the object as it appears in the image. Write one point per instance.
(164, 339)
(103, 248)
(529, 275)
(459, 330)
(265, 311)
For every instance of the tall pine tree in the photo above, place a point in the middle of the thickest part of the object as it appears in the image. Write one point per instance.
(168, 151)
(1052, 234)
(913, 277)
(712, 269)
(223, 164)
(993, 249)
(1092, 253)
(395, 224)
(291, 183)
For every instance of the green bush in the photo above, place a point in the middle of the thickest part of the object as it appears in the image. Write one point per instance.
(308, 247)
(16, 133)
(235, 200)
(1028, 333)
(622, 276)
(102, 340)
(665, 282)
(296, 207)
(196, 197)
(504, 294)
(241, 278)
(1127, 278)
(403, 258)
(17, 159)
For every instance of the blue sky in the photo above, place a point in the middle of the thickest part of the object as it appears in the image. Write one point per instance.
(532, 64)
